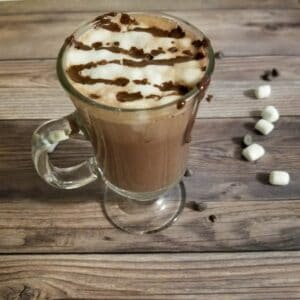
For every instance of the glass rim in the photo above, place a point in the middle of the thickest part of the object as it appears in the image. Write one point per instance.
(74, 92)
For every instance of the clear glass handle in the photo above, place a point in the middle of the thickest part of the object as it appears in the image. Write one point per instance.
(44, 141)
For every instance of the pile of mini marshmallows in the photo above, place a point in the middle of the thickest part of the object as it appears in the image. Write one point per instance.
(254, 151)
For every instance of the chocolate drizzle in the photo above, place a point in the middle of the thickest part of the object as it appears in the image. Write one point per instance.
(94, 96)
(105, 22)
(125, 96)
(127, 20)
(173, 49)
(165, 62)
(176, 33)
(74, 73)
(153, 96)
(202, 86)
(133, 51)
(142, 81)
(144, 59)
(187, 52)
(170, 86)
(157, 51)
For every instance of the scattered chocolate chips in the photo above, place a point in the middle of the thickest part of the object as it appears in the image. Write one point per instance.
(268, 75)
(219, 54)
(209, 97)
(116, 43)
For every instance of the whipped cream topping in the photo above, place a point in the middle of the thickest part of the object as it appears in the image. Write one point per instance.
(134, 61)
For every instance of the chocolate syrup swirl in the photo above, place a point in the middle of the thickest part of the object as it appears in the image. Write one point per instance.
(127, 20)
(142, 81)
(123, 22)
(105, 22)
(176, 33)
(125, 96)
(170, 86)
(133, 51)
(74, 73)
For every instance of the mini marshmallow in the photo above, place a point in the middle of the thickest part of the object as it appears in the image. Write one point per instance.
(57, 136)
(253, 152)
(279, 178)
(263, 91)
(247, 140)
(270, 113)
(264, 126)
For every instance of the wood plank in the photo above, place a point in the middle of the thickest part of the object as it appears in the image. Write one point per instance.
(237, 32)
(35, 6)
(249, 214)
(215, 157)
(30, 89)
(215, 276)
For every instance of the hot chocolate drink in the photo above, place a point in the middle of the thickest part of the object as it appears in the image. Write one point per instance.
(138, 75)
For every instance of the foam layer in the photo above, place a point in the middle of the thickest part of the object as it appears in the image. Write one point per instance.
(134, 61)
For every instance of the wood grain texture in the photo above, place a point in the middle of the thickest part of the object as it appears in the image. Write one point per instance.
(235, 32)
(29, 88)
(249, 214)
(215, 276)
(30, 6)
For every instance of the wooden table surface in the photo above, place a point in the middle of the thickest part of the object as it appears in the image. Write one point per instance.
(243, 242)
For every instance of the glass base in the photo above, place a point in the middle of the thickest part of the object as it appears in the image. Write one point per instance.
(141, 217)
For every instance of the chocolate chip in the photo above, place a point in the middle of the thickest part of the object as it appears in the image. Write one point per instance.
(188, 173)
(275, 72)
(219, 55)
(209, 98)
(266, 76)
(212, 218)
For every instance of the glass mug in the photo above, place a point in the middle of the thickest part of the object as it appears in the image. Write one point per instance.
(140, 154)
